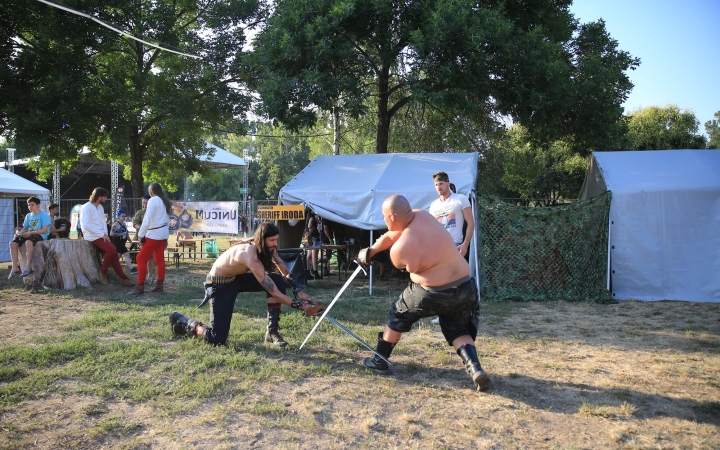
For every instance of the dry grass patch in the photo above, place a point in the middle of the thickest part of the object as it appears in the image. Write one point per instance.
(565, 375)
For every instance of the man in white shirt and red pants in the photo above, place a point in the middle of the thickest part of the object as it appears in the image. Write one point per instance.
(94, 226)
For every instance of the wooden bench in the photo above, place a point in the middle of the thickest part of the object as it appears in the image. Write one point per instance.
(175, 253)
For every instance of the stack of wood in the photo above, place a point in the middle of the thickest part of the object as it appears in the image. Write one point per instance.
(63, 264)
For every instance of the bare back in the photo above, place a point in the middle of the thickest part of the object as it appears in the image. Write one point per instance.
(427, 251)
(237, 260)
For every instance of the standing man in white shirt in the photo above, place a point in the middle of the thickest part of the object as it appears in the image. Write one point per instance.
(153, 235)
(453, 211)
(94, 226)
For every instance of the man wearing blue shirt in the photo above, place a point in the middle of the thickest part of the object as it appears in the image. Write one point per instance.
(36, 228)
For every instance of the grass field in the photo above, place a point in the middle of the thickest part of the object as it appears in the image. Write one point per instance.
(98, 369)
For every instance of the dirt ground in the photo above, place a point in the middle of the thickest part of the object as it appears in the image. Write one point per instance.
(565, 375)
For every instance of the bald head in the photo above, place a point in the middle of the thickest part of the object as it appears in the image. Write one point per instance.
(398, 206)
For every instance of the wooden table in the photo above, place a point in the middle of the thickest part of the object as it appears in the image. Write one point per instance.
(179, 242)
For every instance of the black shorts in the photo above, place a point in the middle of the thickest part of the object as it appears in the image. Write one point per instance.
(457, 308)
(34, 238)
(119, 245)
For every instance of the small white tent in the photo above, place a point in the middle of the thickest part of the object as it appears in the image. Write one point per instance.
(350, 189)
(12, 186)
(664, 222)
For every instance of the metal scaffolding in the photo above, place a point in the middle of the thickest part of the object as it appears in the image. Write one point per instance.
(114, 169)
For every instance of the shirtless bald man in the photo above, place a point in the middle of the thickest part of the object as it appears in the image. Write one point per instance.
(250, 266)
(440, 285)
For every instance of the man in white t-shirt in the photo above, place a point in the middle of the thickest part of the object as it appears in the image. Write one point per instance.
(94, 226)
(453, 211)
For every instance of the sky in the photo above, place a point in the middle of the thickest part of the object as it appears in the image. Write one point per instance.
(678, 43)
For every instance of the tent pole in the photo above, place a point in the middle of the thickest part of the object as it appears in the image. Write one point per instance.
(474, 241)
(371, 267)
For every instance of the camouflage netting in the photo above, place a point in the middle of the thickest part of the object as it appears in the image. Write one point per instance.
(557, 253)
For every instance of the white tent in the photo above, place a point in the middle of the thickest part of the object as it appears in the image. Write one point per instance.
(664, 222)
(222, 159)
(350, 189)
(12, 186)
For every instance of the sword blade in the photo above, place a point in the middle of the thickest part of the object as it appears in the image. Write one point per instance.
(354, 274)
(352, 335)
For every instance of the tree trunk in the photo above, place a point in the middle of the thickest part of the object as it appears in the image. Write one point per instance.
(383, 116)
(63, 264)
(136, 158)
(336, 130)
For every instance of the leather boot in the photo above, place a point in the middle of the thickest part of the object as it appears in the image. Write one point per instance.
(183, 325)
(376, 363)
(126, 282)
(137, 290)
(272, 334)
(103, 278)
(472, 366)
(158, 287)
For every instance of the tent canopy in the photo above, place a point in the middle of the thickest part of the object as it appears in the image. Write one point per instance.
(222, 158)
(350, 189)
(664, 222)
(11, 184)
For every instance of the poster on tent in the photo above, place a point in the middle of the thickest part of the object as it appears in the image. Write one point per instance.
(204, 217)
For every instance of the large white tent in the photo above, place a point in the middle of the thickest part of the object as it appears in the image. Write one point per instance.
(12, 186)
(664, 222)
(350, 189)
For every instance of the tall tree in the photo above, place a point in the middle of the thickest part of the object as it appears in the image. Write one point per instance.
(655, 128)
(712, 128)
(524, 59)
(548, 172)
(144, 107)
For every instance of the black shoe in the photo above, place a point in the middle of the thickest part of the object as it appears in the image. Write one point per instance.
(183, 325)
(377, 364)
(275, 338)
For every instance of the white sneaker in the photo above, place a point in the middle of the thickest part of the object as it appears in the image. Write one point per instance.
(436, 321)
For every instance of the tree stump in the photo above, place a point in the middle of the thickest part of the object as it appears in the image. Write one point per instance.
(63, 264)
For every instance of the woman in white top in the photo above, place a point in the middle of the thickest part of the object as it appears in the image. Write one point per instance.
(153, 235)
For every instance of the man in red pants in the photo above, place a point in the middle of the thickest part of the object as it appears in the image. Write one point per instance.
(94, 226)
(153, 234)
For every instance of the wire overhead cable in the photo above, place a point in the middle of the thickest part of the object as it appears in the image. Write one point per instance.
(131, 35)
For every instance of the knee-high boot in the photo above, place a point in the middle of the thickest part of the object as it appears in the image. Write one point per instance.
(384, 348)
(183, 325)
(272, 334)
(472, 366)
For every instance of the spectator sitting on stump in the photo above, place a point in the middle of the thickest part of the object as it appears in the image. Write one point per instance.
(36, 228)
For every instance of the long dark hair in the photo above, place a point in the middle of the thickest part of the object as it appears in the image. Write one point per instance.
(157, 191)
(97, 193)
(264, 231)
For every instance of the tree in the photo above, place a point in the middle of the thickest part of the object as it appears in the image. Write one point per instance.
(655, 128)
(141, 106)
(548, 172)
(712, 128)
(527, 60)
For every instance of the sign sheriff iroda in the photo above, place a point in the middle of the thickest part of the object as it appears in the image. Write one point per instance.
(281, 212)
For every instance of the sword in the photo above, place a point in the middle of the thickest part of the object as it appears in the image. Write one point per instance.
(359, 268)
(352, 335)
